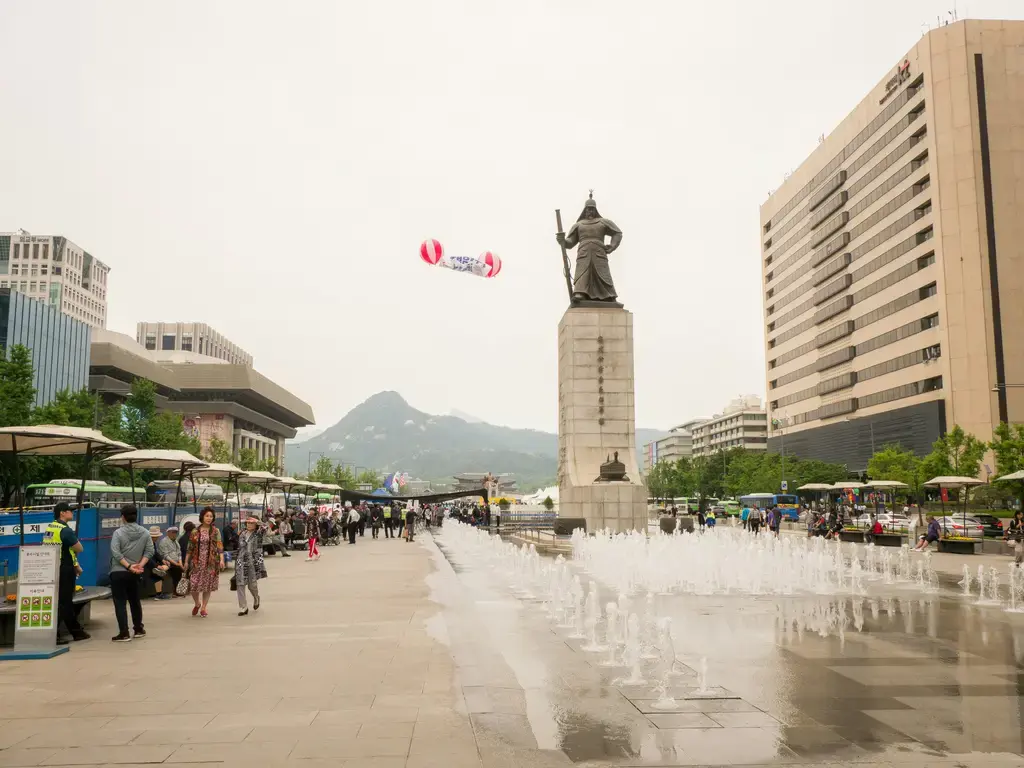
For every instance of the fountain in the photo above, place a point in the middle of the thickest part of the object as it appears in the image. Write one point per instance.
(592, 615)
(702, 677)
(667, 653)
(631, 654)
(611, 636)
(965, 582)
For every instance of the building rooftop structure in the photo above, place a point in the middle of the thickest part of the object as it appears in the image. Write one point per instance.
(218, 400)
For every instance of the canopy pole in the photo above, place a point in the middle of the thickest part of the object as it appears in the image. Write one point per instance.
(195, 501)
(131, 478)
(266, 487)
(227, 512)
(177, 493)
(17, 489)
(81, 488)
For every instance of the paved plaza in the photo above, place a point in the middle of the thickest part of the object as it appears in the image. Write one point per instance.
(393, 654)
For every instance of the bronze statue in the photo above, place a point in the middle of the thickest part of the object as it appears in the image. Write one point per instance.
(592, 279)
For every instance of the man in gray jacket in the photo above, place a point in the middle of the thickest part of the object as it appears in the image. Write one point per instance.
(130, 549)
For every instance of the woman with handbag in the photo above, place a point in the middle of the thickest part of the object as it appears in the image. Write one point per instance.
(249, 565)
(204, 561)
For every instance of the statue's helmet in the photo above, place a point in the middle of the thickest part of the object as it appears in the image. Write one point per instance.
(590, 204)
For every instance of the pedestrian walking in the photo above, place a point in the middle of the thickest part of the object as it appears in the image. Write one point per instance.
(204, 561)
(249, 565)
(130, 549)
(410, 524)
(312, 532)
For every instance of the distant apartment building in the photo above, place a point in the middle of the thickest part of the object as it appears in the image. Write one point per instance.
(891, 262)
(743, 424)
(677, 444)
(198, 338)
(56, 271)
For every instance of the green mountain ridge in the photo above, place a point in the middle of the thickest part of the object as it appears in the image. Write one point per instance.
(387, 434)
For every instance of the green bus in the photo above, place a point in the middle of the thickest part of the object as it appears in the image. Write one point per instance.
(97, 493)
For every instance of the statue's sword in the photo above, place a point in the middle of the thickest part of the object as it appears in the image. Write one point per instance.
(565, 256)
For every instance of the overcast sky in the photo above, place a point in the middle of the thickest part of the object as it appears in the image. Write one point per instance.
(271, 168)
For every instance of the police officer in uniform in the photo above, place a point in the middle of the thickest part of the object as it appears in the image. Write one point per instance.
(59, 533)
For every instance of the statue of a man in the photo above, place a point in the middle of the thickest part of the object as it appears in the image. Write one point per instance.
(592, 279)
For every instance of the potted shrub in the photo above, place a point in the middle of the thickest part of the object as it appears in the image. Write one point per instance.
(959, 545)
(548, 503)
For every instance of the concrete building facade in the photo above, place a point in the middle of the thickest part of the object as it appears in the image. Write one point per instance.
(56, 271)
(742, 424)
(893, 258)
(217, 400)
(198, 338)
(59, 344)
(678, 444)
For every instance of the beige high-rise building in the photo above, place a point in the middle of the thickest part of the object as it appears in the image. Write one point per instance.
(55, 271)
(893, 258)
(197, 338)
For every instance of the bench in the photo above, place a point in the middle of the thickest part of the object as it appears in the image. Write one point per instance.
(82, 598)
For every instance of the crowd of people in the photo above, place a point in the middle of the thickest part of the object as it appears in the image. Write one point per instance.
(175, 563)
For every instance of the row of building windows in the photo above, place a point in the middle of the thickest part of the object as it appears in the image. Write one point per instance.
(841, 261)
(902, 302)
(862, 205)
(858, 186)
(849, 405)
(833, 166)
(891, 134)
(847, 380)
(847, 302)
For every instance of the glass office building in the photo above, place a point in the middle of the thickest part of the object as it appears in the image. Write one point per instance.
(59, 343)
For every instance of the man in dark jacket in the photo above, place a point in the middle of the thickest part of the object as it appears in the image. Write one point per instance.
(231, 536)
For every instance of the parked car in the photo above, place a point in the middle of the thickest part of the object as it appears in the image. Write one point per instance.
(958, 525)
(993, 526)
(890, 521)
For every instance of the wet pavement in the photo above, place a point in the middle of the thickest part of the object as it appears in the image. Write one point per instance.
(395, 655)
(896, 677)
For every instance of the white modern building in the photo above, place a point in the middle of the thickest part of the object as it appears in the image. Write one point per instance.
(198, 338)
(56, 271)
(743, 424)
(677, 444)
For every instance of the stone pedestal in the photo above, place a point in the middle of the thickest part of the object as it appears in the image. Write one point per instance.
(596, 419)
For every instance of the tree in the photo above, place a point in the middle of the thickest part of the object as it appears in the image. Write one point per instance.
(548, 503)
(247, 459)
(69, 409)
(219, 453)
(16, 397)
(369, 477)
(956, 453)
(894, 462)
(1008, 447)
(16, 391)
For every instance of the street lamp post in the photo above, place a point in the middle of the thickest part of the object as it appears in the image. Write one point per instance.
(779, 424)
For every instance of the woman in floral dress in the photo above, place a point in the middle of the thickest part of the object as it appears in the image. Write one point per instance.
(204, 561)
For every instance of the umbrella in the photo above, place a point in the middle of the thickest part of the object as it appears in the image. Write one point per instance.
(954, 481)
(259, 477)
(286, 484)
(229, 472)
(818, 488)
(53, 440)
(183, 461)
(890, 486)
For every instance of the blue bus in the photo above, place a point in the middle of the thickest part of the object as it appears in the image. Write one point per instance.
(786, 503)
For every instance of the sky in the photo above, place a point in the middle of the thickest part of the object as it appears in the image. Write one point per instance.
(271, 169)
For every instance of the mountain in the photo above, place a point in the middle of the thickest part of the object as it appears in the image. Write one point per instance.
(465, 416)
(387, 434)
